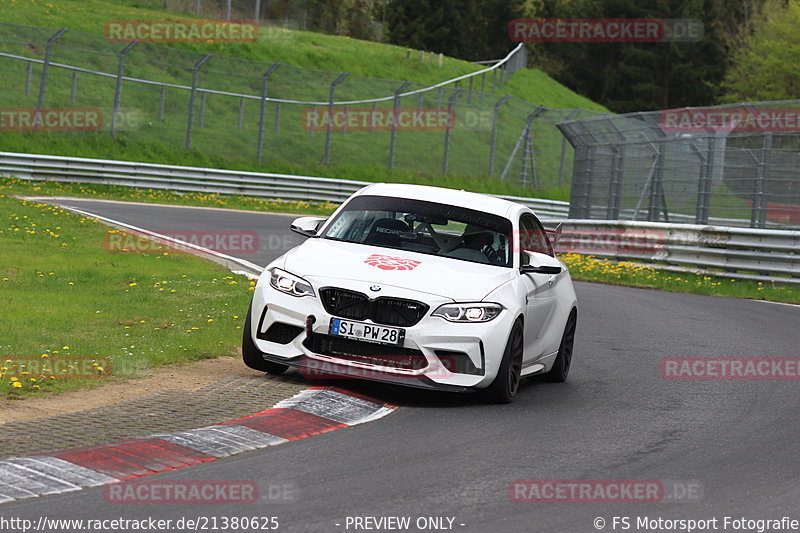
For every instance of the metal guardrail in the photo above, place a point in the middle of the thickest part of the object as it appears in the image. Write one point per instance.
(196, 179)
(730, 252)
(739, 253)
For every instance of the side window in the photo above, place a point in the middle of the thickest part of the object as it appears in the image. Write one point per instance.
(532, 237)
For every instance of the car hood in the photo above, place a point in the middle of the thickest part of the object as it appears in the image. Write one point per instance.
(328, 260)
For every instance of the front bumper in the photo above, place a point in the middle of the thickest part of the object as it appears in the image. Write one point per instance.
(446, 355)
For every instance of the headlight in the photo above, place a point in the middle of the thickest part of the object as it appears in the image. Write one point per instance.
(289, 283)
(468, 312)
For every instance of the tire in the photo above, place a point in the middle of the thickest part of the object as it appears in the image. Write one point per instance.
(563, 362)
(504, 387)
(253, 357)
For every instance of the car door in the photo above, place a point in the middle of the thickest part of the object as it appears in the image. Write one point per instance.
(540, 289)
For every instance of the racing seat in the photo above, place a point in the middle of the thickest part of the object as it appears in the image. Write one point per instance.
(384, 232)
(476, 246)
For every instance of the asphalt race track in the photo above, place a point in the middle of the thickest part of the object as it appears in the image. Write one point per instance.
(733, 444)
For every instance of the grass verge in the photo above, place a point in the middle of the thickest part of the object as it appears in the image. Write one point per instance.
(77, 315)
(588, 268)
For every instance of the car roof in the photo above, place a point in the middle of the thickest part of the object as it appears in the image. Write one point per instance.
(460, 198)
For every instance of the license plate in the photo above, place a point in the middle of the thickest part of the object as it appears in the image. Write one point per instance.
(367, 332)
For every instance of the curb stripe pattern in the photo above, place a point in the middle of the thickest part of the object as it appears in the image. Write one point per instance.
(312, 412)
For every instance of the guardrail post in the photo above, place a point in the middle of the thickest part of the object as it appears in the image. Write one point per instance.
(329, 132)
(395, 109)
(195, 73)
(48, 51)
(73, 88)
(118, 87)
(758, 217)
(263, 116)
(493, 145)
(450, 115)
(564, 149)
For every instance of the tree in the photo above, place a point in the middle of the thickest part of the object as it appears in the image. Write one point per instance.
(467, 29)
(764, 67)
(645, 76)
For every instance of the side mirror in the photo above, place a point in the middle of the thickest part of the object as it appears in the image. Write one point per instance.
(536, 263)
(307, 226)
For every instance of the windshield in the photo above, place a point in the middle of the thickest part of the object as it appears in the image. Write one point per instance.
(424, 227)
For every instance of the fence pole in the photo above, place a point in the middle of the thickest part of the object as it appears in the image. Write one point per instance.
(395, 109)
(118, 88)
(195, 72)
(197, 7)
(469, 97)
(161, 99)
(202, 119)
(523, 138)
(258, 11)
(704, 183)
(28, 73)
(758, 217)
(483, 85)
(227, 9)
(493, 146)
(43, 83)
(240, 117)
(564, 149)
(263, 116)
(73, 87)
(450, 103)
(653, 209)
(277, 125)
(612, 212)
(329, 131)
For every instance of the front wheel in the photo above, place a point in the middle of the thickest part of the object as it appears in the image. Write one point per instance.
(505, 385)
(563, 361)
(253, 357)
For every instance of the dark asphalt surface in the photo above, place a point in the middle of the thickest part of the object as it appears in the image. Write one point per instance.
(615, 418)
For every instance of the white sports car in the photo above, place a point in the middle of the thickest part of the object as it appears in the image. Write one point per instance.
(419, 286)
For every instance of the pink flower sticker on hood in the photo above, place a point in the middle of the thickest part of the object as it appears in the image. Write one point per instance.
(387, 262)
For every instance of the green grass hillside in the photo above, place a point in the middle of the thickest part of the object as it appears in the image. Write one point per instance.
(221, 139)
